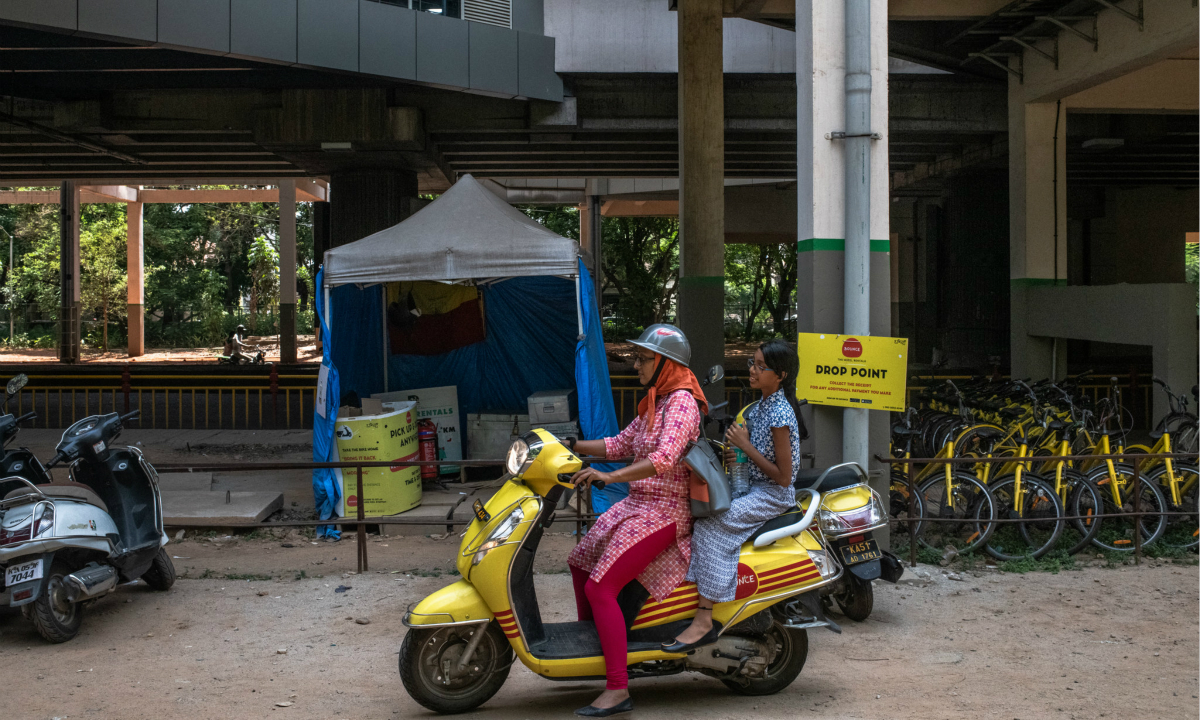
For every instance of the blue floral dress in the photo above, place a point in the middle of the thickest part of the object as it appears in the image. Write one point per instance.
(717, 541)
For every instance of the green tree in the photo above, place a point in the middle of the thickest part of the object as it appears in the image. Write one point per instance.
(103, 279)
(264, 277)
(641, 261)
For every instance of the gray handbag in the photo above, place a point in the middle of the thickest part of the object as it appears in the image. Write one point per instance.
(709, 487)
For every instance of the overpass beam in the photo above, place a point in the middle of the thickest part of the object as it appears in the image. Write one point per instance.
(136, 286)
(701, 297)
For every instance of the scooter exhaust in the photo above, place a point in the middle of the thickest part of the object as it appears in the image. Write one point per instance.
(91, 581)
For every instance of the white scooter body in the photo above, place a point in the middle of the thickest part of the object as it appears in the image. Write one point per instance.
(65, 543)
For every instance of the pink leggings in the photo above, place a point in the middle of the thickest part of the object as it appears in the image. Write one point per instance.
(598, 601)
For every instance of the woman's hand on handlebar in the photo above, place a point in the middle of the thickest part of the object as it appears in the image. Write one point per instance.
(591, 476)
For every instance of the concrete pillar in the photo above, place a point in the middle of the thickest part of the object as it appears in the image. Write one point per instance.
(1037, 213)
(363, 202)
(287, 271)
(820, 110)
(136, 286)
(320, 245)
(701, 295)
(69, 297)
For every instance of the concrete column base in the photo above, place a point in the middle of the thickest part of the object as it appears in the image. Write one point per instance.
(137, 329)
(287, 333)
(701, 307)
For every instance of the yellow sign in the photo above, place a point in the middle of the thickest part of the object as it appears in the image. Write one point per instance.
(378, 438)
(857, 372)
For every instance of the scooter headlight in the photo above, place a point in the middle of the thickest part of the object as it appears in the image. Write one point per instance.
(518, 453)
(499, 534)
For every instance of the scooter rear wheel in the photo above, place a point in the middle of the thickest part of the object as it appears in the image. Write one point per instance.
(56, 618)
(425, 655)
(791, 650)
(161, 575)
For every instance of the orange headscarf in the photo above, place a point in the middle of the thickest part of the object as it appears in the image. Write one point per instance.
(673, 376)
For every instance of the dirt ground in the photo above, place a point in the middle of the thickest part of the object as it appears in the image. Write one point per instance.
(306, 351)
(258, 622)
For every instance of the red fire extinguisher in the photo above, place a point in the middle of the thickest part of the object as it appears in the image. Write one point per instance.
(427, 446)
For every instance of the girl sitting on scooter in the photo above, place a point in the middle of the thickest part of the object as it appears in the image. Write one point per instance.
(772, 444)
(646, 535)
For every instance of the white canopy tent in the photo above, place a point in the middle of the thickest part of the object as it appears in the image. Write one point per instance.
(466, 235)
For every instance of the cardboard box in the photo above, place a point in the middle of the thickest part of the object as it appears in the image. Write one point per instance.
(439, 404)
(552, 406)
(373, 438)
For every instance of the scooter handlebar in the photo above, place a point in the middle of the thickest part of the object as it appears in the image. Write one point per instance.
(58, 457)
(131, 415)
(569, 478)
(27, 416)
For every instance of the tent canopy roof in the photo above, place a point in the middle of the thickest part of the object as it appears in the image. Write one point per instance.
(466, 234)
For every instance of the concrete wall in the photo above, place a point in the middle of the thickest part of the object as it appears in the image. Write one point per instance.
(639, 36)
(1140, 238)
(345, 35)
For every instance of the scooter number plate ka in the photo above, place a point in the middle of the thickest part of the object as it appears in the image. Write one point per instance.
(860, 552)
(482, 514)
(23, 573)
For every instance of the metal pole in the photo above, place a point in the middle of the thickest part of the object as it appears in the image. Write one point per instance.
(1137, 510)
(857, 286)
(362, 536)
(10, 280)
(912, 516)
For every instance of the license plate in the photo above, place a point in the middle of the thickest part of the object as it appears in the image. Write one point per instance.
(24, 572)
(861, 552)
(480, 512)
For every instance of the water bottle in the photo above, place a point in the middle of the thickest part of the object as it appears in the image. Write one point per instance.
(739, 475)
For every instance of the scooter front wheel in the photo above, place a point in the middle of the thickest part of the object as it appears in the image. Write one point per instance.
(56, 618)
(791, 650)
(431, 672)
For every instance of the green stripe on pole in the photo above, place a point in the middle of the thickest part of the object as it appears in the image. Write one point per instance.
(702, 281)
(839, 245)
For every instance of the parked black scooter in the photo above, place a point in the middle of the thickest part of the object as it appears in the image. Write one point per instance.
(20, 462)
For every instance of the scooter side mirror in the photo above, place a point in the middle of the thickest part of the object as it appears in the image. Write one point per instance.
(715, 373)
(19, 381)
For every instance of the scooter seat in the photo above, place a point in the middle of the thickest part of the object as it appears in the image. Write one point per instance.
(791, 517)
(75, 491)
(835, 480)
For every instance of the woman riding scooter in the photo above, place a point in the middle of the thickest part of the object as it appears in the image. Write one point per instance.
(772, 445)
(646, 535)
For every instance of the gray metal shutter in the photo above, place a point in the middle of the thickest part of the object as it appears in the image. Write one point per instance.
(492, 12)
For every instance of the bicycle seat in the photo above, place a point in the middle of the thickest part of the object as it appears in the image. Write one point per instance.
(903, 431)
(791, 517)
(835, 480)
(1056, 424)
(989, 433)
(1011, 411)
(1156, 434)
(74, 491)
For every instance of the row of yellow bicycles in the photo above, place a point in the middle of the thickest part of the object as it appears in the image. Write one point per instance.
(1013, 496)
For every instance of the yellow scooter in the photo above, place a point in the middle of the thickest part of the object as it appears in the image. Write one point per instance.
(849, 513)
(462, 638)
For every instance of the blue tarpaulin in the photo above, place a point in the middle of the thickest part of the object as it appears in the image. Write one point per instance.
(325, 485)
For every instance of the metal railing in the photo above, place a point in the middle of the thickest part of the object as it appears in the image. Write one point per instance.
(914, 518)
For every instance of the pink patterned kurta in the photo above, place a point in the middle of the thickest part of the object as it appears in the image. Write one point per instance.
(653, 503)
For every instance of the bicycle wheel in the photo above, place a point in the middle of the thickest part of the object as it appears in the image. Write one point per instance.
(898, 506)
(1182, 531)
(1084, 501)
(1041, 510)
(965, 512)
(1116, 532)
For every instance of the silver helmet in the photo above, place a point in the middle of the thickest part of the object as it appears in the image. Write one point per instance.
(666, 340)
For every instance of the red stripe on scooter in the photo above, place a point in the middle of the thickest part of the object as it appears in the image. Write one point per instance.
(669, 600)
(790, 580)
(763, 576)
(667, 611)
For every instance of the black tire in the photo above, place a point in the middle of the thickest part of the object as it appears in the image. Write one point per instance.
(791, 650)
(421, 657)
(1182, 531)
(56, 618)
(1117, 533)
(969, 520)
(1040, 507)
(1083, 499)
(161, 575)
(855, 597)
